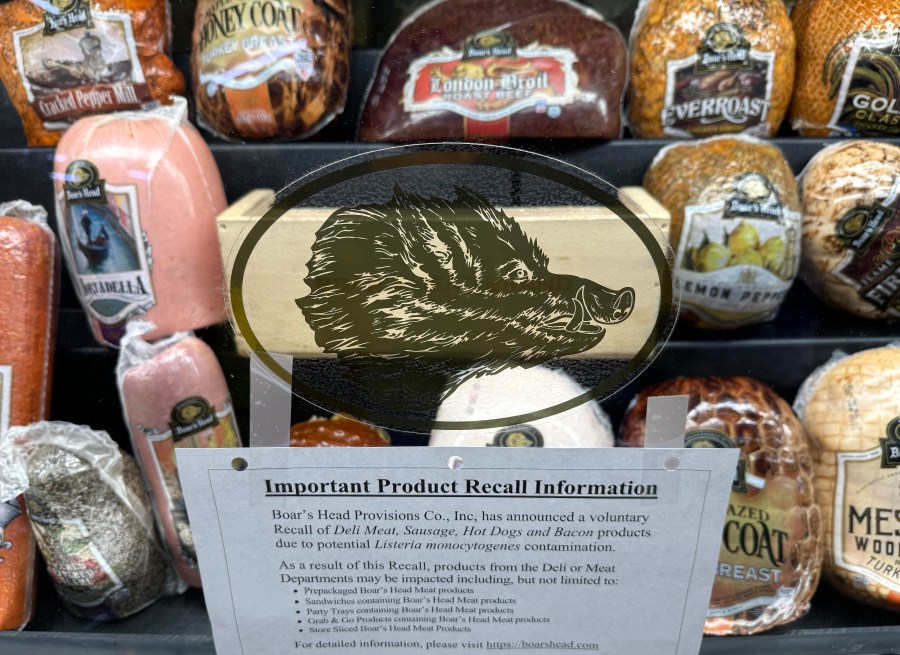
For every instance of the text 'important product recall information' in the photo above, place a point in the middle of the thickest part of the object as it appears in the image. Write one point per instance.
(469, 550)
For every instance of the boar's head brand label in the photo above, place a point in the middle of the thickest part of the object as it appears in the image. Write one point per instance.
(738, 256)
(866, 84)
(105, 246)
(518, 436)
(871, 235)
(9, 511)
(190, 416)
(725, 87)
(78, 62)
(713, 439)
(491, 79)
(867, 511)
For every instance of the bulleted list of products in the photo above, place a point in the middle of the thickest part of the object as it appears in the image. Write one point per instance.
(408, 559)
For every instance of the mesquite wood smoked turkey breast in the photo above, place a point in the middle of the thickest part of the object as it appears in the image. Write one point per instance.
(771, 553)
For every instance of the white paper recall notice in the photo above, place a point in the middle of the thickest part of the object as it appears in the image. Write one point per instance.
(390, 550)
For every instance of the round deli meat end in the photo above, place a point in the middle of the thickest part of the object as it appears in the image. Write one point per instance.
(848, 68)
(706, 67)
(851, 228)
(771, 538)
(851, 411)
(735, 227)
(491, 71)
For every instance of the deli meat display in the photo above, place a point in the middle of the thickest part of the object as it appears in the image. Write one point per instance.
(761, 135)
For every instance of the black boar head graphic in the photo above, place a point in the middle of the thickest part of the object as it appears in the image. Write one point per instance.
(459, 282)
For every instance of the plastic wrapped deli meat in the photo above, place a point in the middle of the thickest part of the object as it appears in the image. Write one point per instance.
(706, 67)
(851, 410)
(848, 68)
(771, 553)
(173, 396)
(68, 59)
(735, 227)
(137, 197)
(516, 392)
(91, 518)
(337, 432)
(469, 69)
(851, 227)
(29, 262)
(270, 69)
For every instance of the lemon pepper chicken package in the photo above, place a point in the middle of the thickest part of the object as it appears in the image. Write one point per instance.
(470, 69)
(851, 227)
(771, 553)
(851, 410)
(91, 518)
(706, 67)
(735, 227)
(69, 58)
(848, 68)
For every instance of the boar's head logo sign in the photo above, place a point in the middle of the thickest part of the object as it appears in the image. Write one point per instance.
(457, 280)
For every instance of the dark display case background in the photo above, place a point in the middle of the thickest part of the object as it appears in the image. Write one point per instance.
(781, 353)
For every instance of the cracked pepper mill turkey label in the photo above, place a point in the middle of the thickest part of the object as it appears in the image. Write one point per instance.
(79, 61)
(868, 99)
(491, 79)
(871, 235)
(725, 87)
(867, 511)
(244, 45)
(738, 256)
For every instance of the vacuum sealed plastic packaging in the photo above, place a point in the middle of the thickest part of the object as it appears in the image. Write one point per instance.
(706, 67)
(848, 68)
(851, 410)
(516, 392)
(270, 70)
(771, 554)
(137, 197)
(91, 518)
(469, 69)
(174, 395)
(735, 227)
(29, 286)
(338, 431)
(851, 227)
(64, 60)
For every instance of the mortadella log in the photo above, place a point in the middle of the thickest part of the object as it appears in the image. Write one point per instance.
(137, 196)
(28, 290)
(174, 395)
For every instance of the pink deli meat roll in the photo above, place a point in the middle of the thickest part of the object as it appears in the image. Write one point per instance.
(137, 196)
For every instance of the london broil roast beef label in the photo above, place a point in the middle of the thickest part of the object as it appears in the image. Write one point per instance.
(725, 87)
(867, 511)
(868, 95)
(491, 79)
(871, 235)
(80, 66)
(739, 254)
(105, 245)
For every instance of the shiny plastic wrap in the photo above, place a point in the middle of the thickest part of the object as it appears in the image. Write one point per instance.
(848, 68)
(735, 227)
(68, 59)
(851, 410)
(475, 70)
(137, 198)
(338, 431)
(706, 67)
(91, 518)
(270, 70)
(851, 227)
(29, 261)
(771, 554)
(516, 392)
(174, 395)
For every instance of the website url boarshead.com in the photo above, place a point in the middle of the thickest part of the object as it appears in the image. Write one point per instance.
(539, 645)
